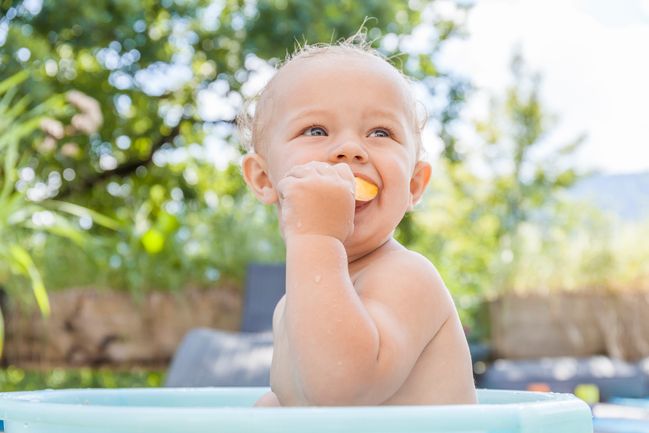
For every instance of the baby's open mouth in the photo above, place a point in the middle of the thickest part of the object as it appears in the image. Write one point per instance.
(365, 191)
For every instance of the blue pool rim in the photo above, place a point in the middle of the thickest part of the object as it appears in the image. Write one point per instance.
(620, 425)
(203, 409)
(634, 402)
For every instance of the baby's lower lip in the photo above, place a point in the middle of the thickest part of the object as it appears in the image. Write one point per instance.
(362, 204)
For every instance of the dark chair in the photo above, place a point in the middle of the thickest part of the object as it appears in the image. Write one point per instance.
(613, 377)
(209, 357)
(265, 285)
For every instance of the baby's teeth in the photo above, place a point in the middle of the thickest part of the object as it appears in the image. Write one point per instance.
(365, 191)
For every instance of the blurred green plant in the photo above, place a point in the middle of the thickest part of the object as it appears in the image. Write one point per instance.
(169, 241)
(171, 76)
(170, 79)
(471, 220)
(20, 216)
(17, 379)
(16, 123)
(528, 174)
(584, 249)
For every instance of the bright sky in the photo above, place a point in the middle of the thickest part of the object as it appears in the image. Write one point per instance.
(594, 58)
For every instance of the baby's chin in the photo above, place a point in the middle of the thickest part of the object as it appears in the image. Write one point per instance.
(361, 244)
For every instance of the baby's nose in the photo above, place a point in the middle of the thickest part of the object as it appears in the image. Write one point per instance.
(349, 150)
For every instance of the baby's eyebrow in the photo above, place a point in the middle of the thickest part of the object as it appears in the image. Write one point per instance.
(382, 113)
(307, 112)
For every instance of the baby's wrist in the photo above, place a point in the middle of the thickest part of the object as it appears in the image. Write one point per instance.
(310, 238)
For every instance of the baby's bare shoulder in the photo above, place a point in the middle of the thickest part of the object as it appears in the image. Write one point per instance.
(403, 279)
(403, 267)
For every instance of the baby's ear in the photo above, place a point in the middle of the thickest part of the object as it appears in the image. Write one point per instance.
(418, 182)
(255, 173)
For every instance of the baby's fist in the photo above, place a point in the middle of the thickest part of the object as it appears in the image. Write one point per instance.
(317, 198)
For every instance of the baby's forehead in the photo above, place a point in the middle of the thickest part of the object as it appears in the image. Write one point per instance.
(302, 68)
(329, 69)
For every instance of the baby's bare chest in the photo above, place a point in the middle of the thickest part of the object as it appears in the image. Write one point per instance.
(440, 375)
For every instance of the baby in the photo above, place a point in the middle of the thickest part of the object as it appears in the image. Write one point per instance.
(336, 146)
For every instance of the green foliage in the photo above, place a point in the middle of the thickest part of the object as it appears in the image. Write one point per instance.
(583, 249)
(162, 164)
(17, 214)
(115, 50)
(17, 379)
(20, 215)
(476, 228)
(170, 77)
(198, 247)
(525, 187)
(163, 167)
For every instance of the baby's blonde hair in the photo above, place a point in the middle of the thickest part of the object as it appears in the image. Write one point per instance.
(248, 124)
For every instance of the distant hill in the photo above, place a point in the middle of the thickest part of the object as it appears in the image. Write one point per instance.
(625, 195)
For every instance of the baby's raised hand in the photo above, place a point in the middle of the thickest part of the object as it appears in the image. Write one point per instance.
(317, 198)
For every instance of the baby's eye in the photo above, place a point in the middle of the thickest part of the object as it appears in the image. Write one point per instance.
(315, 131)
(380, 132)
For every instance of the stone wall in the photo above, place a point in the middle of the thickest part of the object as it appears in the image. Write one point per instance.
(571, 324)
(91, 327)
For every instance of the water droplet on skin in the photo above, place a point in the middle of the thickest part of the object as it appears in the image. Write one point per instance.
(317, 278)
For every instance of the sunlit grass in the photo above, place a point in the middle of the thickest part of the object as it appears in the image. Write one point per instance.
(17, 379)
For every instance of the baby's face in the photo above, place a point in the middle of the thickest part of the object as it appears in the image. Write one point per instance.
(346, 109)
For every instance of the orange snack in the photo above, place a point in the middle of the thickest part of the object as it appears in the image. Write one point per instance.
(365, 191)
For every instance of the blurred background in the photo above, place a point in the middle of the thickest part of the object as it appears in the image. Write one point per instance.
(124, 220)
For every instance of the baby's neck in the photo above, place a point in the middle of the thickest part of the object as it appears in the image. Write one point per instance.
(360, 259)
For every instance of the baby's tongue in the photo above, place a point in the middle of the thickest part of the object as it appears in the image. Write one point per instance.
(365, 191)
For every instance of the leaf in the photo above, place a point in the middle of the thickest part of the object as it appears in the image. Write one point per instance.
(2, 333)
(9, 170)
(19, 131)
(13, 81)
(63, 228)
(81, 211)
(5, 104)
(17, 108)
(29, 269)
(20, 211)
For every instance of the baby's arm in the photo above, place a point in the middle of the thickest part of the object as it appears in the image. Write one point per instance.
(357, 345)
(346, 345)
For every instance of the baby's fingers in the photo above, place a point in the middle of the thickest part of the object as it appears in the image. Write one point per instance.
(298, 171)
(308, 169)
(344, 171)
(283, 186)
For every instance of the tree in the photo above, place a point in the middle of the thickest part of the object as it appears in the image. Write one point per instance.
(119, 52)
(170, 77)
(525, 185)
(472, 222)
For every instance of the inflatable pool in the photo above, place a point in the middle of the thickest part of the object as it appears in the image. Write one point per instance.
(215, 410)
